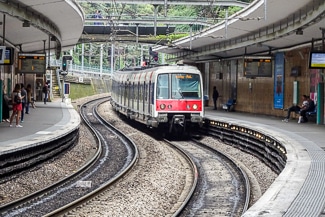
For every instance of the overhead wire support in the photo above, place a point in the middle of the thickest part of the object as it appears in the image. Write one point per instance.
(265, 7)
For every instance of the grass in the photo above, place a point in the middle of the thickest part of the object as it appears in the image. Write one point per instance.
(78, 91)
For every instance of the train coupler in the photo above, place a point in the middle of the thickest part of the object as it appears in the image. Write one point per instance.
(179, 119)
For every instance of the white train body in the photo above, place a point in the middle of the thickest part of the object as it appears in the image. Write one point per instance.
(170, 95)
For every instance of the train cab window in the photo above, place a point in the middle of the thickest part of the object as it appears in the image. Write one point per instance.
(162, 86)
(185, 86)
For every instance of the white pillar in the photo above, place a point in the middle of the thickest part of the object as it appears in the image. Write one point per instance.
(82, 56)
(101, 60)
(112, 59)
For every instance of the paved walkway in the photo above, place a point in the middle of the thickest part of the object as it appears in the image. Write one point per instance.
(309, 130)
(41, 124)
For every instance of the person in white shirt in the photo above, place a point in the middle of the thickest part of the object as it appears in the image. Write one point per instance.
(297, 109)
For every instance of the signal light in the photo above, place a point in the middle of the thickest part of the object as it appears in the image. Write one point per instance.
(65, 59)
(64, 66)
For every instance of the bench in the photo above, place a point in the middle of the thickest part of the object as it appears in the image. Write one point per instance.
(312, 113)
(229, 106)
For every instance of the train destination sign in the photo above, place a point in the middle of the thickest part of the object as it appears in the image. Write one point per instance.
(31, 63)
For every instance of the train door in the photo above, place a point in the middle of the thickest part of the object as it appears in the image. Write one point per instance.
(129, 94)
(121, 91)
(149, 97)
(125, 94)
(120, 85)
(133, 95)
(145, 94)
(150, 94)
(138, 96)
(143, 97)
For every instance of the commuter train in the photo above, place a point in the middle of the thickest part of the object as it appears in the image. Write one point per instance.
(168, 97)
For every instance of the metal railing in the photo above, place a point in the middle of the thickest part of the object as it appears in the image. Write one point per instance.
(85, 70)
(89, 71)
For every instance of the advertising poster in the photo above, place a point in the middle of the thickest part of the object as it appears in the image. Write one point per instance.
(278, 96)
(315, 78)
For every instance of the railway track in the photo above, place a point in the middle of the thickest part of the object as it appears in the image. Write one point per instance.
(115, 156)
(161, 183)
(222, 188)
(214, 186)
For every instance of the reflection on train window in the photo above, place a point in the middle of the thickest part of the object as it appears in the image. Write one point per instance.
(162, 86)
(185, 86)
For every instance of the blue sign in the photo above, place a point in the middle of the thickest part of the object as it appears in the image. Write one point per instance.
(66, 88)
(279, 81)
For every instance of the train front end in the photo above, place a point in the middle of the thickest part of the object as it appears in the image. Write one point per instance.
(179, 99)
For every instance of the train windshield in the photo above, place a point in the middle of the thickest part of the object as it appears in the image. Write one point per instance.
(178, 86)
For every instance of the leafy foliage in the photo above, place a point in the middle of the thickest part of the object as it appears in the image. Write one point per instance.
(127, 54)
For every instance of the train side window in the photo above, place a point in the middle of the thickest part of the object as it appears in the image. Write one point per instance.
(162, 86)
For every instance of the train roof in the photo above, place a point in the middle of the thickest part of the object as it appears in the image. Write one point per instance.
(150, 67)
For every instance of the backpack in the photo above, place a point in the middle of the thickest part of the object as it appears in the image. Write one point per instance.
(16, 99)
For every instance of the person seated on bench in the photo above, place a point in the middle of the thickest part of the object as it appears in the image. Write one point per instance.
(296, 108)
(311, 107)
(229, 106)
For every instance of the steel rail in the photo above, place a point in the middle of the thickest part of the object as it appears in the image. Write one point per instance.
(103, 187)
(195, 172)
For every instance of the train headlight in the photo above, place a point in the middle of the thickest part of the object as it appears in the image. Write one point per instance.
(169, 106)
(195, 107)
(162, 106)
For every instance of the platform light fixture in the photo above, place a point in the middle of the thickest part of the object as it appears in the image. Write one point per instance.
(299, 31)
(26, 23)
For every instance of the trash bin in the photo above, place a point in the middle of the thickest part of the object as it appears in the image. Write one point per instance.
(206, 100)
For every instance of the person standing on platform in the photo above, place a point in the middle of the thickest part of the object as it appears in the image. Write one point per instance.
(215, 96)
(45, 91)
(16, 105)
(23, 93)
(29, 98)
(5, 106)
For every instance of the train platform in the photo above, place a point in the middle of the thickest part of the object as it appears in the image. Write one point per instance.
(44, 123)
(299, 190)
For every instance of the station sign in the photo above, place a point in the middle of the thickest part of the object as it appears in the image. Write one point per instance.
(30, 63)
(2, 54)
(255, 66)
(8, 58)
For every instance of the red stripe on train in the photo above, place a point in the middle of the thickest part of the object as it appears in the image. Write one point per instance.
(179, 105)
